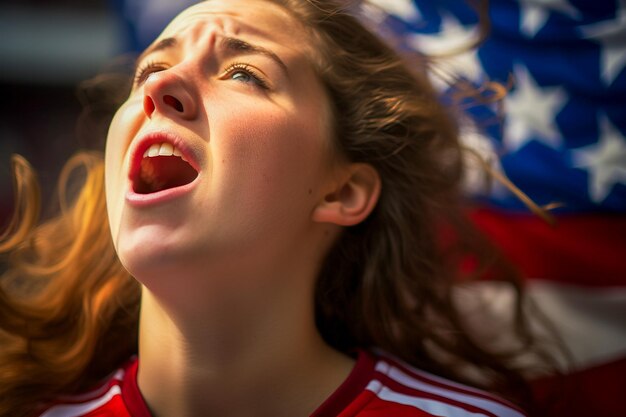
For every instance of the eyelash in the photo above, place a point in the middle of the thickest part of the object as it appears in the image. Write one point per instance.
(146, 69)
(249, 70)
(143, 71)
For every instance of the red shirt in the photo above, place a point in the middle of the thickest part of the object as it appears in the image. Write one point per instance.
(378, 386)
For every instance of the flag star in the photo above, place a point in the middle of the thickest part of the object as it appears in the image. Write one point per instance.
(605, 161)
(453, 36)
(534, 14)
(531, 111)
(405, 9)
(611, 34)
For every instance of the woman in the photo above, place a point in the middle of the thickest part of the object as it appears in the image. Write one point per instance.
(276, 185)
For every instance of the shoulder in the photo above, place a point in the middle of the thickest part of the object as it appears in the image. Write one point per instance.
(105, 400)
(396, 388)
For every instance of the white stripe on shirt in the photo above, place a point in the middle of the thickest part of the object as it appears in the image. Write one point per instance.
(75, 410)
(433, 407)
(491, 406)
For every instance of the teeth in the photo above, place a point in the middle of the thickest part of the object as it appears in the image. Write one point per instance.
(162, 149)
(154, 150)
(166, 149)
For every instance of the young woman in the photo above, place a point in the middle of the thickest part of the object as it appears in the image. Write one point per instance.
(277, 186)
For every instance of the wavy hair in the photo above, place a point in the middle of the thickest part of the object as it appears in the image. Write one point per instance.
(69, 311)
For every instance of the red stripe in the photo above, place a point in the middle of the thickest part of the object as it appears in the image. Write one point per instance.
(115, 407)
(369, 405)
(359, 403)
(130, 392)
(582, 249)
(350, 389)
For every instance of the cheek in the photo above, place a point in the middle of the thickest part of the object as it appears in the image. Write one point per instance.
(123, 126)
(112, 169)
(112, 146)
(118, 139)
(275, 152)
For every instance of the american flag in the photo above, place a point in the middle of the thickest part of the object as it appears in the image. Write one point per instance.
(561, 138)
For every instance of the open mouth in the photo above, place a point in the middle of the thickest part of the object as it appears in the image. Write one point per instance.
(162, 167)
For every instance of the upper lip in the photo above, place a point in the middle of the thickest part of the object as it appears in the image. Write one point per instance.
(150, 138)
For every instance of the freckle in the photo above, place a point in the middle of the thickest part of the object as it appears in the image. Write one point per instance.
(222, 161)
(310, 191)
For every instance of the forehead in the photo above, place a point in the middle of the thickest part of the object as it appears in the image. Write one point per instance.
(257, 20)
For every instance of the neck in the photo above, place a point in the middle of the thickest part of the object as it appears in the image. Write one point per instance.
(244, 357)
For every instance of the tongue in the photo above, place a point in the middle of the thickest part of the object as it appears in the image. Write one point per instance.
(163, 172)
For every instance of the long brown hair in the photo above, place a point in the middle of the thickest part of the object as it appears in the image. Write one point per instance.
(69, 311)
(389, 282)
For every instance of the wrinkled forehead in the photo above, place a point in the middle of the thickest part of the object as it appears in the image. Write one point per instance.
(256, 20)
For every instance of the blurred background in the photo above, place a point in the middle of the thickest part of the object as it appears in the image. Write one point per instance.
(47, 49)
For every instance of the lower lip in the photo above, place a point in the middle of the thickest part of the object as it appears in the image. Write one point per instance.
(160, 197)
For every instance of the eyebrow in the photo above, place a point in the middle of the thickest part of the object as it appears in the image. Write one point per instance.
(240, 47)
(233, 46)
(166, 43)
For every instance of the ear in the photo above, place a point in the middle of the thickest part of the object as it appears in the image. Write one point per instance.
(352, 198)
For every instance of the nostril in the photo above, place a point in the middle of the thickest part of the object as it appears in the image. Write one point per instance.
(173, 102)
(148, 106)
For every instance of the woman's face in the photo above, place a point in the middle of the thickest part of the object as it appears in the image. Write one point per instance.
(228, 88)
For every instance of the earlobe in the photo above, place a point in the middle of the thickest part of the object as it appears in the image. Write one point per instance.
(352, 199)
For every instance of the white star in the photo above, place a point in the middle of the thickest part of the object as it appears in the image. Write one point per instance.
(534, 14)
(405, 9)
(604, 161)
(531, 111)
(452, 37)
(611, 34)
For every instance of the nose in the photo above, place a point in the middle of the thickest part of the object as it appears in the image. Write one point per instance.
(166, 93)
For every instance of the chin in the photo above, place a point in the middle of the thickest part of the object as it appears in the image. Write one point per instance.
(149, 256)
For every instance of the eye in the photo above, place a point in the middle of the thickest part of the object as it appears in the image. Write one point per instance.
(241, 76)
(244, 73)
(146, 69)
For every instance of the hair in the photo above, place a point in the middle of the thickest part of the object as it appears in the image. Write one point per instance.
(69, 310)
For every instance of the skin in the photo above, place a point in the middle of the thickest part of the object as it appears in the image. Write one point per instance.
(228, 269)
